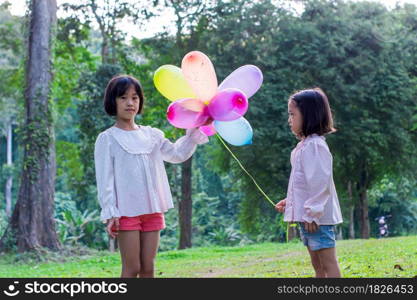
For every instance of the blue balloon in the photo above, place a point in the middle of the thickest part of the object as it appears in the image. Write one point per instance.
(237, 132)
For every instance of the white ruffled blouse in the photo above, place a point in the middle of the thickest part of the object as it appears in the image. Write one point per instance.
(130, 171)
(311, 194)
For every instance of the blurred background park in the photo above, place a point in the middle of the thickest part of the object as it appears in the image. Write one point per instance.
(363, 54)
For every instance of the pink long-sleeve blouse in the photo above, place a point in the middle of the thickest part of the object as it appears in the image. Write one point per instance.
(311, 194)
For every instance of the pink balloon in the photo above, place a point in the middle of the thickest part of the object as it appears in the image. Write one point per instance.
(208, 130)
(228, 105)
(200, 74)
(180, 115)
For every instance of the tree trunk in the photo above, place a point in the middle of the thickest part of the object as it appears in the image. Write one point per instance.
(184, 43)
(363, 200)
(9, 183)
(352, 222)
(339, 235)
(112, 244)
(351, 212)
(292, 232)
(185, 206)
(105, 53)
(365, 230)
(32, 225)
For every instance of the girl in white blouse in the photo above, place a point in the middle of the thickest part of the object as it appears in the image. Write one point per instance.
(133, 188)
(311, 197)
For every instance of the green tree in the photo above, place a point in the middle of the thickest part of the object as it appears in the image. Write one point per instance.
(12, 77)
(347, 49)
(108, 15)
(72, 60)
(245, 33)
(32, 225)
(397, 198)
(367, 73)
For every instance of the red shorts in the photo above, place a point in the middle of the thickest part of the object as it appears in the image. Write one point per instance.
(150, 222)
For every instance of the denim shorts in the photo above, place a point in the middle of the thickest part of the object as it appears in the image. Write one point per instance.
(323, 237)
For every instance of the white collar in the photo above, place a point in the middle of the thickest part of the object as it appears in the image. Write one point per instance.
(138, 141)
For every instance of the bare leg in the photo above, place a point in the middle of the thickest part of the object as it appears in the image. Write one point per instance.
(315, 261)
(129, 245)
(329, 262)
(149, 242)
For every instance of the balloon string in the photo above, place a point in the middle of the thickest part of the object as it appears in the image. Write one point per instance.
(243, 168)
(259, 188)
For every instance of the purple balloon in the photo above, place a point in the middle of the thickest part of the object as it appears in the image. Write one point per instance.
(181, 115)
(247, 78)
(228, 105)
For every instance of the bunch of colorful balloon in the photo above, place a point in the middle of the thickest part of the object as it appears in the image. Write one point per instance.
(199, 102)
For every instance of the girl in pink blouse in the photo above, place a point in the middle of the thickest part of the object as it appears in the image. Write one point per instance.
(311, 197)
(132, 185)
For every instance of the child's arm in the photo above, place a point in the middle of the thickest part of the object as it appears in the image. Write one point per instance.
(183, 148)
(316, 162)
(105, 178)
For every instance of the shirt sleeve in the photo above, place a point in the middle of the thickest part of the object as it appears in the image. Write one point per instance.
(183, 148)
(105, 178)
(316, 162)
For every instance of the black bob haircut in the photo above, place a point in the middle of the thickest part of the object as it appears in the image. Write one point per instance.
(315, 110)
(117, 87)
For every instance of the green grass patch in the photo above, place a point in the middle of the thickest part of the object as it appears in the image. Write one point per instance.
(391, 257)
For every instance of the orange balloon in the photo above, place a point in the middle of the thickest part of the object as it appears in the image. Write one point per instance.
(200, 75)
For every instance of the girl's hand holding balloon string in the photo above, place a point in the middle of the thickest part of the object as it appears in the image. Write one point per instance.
(197, 136)
(280, 206)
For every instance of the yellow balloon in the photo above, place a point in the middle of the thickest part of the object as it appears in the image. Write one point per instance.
(171, 83)
(200, 74)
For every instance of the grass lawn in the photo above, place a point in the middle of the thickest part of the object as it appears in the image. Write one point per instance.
(391, 257)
